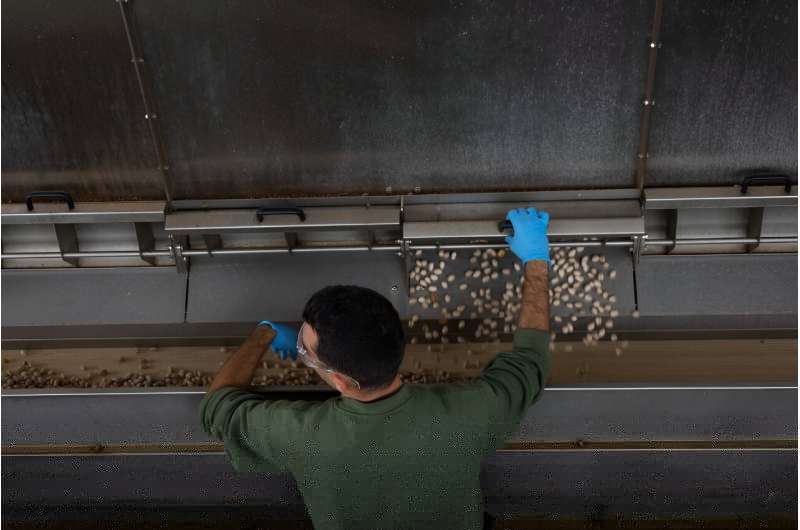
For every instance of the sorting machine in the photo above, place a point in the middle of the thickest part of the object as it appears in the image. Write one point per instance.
(164, 188)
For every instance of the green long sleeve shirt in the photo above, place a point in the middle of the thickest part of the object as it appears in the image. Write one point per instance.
(409, 460)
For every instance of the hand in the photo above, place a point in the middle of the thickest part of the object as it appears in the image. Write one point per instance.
(285, 342)
(529, 241)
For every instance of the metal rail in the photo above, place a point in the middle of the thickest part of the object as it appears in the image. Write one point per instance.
(148, 101)
(89, 450)
(647, 101)
(393, 248)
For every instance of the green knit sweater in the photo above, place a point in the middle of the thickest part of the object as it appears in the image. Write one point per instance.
(409, 460)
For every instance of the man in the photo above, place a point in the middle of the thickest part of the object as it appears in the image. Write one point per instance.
(384, 454)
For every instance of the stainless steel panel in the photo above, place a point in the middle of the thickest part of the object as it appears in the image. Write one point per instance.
(61, 297)
(85, 212)
(348, 98)
(566, 228)
(718, 285)
(597, 485)
(597, 414)
(719, 197)
(185, 480)
(586, 485)
(415, 199)
(668, 414)
(778, 222)
(726, 92)
(276, 287)
(73, 118)
(331, 218)
(497, 206)
(232, 334)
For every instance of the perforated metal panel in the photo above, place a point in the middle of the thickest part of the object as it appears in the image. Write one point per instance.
(73, 118)
(352, 97)
(726, 92)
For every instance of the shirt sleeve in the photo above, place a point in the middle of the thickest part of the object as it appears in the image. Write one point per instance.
(514, 381)
(260, 435)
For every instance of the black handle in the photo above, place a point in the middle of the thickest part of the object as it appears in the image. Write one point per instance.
(63, 195)
(261, 212)
(505, 224)
(767, 179)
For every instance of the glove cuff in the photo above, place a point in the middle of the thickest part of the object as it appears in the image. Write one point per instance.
(537, 258)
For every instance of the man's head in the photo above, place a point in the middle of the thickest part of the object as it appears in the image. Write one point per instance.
(356, 332)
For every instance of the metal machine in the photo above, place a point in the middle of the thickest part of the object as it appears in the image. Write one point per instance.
(174, 172)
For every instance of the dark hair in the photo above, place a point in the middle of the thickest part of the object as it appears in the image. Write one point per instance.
(360, 333)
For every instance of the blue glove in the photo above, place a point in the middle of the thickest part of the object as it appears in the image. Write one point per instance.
(529, 241)
(285, 342)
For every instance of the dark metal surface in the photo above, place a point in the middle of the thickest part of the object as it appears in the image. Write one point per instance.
(232, 333)
(598, 414)
(356, 97)
(718, 285)
(127, 295)
(252, 288)
(72, 116)
(633, 485)
(726, 92)
(569, 484)
(365, 97)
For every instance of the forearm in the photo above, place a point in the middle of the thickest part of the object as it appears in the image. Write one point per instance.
(516, 378)
(535, 310)
(238, 370)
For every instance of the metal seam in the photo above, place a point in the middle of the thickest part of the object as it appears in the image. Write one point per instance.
(150, 114)
(647, 101)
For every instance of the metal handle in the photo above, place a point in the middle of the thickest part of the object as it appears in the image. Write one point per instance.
(261, 212)
(63, 195)
(767, 179)
(504, 225)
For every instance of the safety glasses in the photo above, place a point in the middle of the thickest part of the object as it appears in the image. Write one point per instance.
(316, 364)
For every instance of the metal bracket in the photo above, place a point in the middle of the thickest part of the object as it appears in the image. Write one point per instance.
(405, 247)
(176, 248)
(292, 241)
(638, 245)
(213, 242)
(146, 241)
(672, 229)
(407, 257)
(67, 241)
(755, 224)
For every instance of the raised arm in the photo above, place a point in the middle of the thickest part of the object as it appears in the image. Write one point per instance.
(515, 379)
(238, 370)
